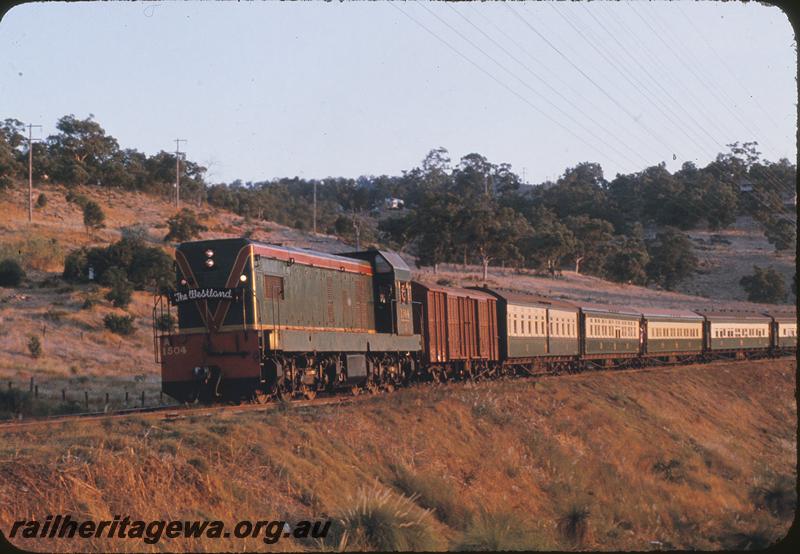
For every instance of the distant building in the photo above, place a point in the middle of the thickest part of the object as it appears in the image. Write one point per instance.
(394, 203)
(790, 200)
(745, 185)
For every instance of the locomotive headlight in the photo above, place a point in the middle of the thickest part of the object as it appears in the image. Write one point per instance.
(209, 263)
(243, 277)
(209, 253)
(184, 282)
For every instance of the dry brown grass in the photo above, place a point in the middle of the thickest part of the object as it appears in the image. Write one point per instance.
(587, 444)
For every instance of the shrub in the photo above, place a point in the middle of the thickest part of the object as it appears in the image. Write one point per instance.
(75, 265)
(35, 346)
(764, 285)
(136, 232)
(93, 215)
(379, 520)
(165, 322)
(121, 290)
(76, 198)
(119, 324)
(183, 226)
(782, 233)
(142, 265)
(11, 273)
(41, 201)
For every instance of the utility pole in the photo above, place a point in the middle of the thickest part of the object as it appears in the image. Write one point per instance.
(30, 171)
(315, 206)
(178, 172)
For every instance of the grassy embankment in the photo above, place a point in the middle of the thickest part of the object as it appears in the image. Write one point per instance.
(685, 457)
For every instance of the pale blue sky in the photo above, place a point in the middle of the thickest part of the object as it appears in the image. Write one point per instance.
(264, 90)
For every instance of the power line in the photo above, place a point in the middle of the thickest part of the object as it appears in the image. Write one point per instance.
(770, 176)
(724, 63)
(493, 78)
(587, 77)
(658, 84)
(720, 144)
(567, 114)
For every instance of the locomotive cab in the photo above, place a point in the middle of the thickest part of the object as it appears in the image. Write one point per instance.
(392, 291)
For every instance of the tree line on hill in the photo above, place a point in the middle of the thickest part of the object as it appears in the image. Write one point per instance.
(628, 229)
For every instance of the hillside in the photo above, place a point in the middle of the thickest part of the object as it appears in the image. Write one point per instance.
(693, 457)
(81, 356)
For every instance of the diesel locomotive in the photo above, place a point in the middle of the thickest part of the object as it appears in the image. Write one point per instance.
(250, 321)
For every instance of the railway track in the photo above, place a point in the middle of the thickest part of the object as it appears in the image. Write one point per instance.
(176, 411)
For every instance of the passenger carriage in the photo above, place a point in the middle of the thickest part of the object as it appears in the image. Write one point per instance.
(671, 333)
(535, 330)
(736, 333)
(609, 332)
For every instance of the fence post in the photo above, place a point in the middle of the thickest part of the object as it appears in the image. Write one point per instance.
(161, 397)
(63, 395)
(126, 398)
(142, 399)
(106, 398)
(36, 391)
(31, 384)
(9, 385)
(86, 398)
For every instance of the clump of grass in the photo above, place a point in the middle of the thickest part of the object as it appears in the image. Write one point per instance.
(35, 346)
(379, 520)
(488, 408)
(778, 496)
(670, 470)
(574, 524)
(432, 492)
(499, 531)
(119, 324)
(54, 315)
(198, 463)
